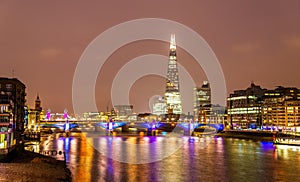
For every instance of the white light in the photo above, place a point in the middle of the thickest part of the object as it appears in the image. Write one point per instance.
(172, 43)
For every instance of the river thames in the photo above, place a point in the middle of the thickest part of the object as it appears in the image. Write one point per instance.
(125, 158)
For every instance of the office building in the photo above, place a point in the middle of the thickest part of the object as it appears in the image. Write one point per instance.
(202, 102)
(244, 107)
(281, 108)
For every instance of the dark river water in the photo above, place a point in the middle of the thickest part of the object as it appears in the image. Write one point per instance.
(142, 158)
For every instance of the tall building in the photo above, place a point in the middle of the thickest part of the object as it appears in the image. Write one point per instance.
(172, 94)
(202, 102)
(204, 110)
(12, 113)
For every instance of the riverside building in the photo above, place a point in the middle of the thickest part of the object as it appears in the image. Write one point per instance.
(277, 109)
(244, 107)
(12, 113)
(281, 109)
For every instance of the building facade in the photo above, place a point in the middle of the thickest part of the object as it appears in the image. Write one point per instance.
(123, 111)
(269, 109)
(281, 108)
(202, 102)
(34, 115)
(159, 106)
(204, 110)
(12, 113)
(244, 107)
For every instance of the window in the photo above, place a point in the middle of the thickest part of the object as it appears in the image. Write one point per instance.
(3, 109)
(3, 141)
(4, 119)
(8, 86)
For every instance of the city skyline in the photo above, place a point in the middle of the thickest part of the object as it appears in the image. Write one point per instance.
(42, 42)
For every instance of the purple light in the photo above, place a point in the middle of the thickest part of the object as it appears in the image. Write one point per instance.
(191, 140)
(65, 115)
(48, 115)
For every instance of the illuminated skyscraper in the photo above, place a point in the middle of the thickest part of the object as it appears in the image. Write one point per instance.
(202, 102)
(172, 94)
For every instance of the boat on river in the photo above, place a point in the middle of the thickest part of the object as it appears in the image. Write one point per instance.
(286, 141)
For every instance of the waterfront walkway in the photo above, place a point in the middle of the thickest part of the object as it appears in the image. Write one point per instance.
(34, 167)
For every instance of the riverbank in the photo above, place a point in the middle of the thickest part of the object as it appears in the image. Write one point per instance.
(30, 166)
(248, 134)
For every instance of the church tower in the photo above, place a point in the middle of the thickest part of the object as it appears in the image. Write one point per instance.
(37, 103)
(38, 109)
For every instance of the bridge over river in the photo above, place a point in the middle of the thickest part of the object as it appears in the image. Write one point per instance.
(151, 128)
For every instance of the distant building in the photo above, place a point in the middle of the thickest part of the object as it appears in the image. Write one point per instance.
(204, 110)
(12, 113)
(34, 115)
(146, 117)
(202, 102)
(123, 111)
(218, 115)
(159, 106)
(92, 116)
(244, 107)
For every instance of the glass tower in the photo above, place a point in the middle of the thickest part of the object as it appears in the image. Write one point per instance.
(172, 94)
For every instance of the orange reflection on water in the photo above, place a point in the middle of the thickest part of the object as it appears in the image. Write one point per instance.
(83, 172)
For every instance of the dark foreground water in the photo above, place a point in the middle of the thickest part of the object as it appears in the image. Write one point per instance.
(196, 159)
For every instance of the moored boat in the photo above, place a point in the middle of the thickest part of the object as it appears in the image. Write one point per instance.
(286, 141)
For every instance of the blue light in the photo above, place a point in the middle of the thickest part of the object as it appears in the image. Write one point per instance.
(267, 145)
(191, 140)
(219, 127)
(111, 125)
(67, 144)
(154, 125)
(163, 133)
(67, 126)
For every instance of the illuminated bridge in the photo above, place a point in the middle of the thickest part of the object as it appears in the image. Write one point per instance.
(125, 125)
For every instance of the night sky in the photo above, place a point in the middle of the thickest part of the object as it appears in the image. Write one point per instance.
(42, 41)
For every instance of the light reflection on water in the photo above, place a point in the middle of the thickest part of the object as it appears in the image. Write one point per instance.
(201, 159)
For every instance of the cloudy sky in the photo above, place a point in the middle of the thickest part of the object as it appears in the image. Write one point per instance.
(42, 41)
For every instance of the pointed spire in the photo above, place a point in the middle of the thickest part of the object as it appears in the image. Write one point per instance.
(37, 97)
(172, 42)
